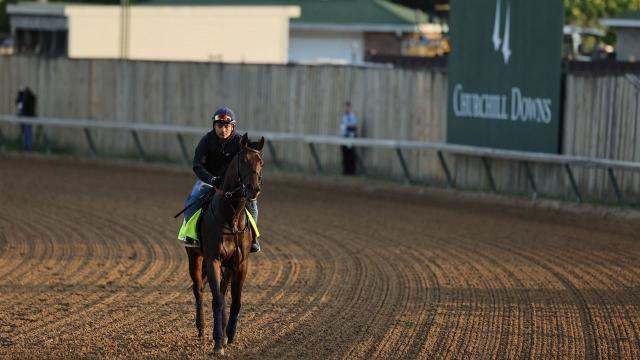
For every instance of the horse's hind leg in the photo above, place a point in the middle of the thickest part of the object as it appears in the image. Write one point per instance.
(195, 270)
(236, 301)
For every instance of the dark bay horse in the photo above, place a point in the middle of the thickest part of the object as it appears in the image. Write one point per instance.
(225, 238)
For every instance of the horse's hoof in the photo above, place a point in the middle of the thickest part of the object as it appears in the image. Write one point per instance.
(224, 341)
(230, 341)
(218, 351)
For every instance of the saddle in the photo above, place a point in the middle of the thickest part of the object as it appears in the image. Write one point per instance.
(192, 227)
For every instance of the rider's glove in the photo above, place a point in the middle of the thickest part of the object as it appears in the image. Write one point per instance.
(216, 181)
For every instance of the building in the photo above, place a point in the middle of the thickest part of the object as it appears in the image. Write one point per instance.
(252, 31)
(627, 29)
(338, 31)
(251, 34)
(346, 31)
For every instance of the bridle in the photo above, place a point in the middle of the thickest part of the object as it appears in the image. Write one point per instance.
(244, 187)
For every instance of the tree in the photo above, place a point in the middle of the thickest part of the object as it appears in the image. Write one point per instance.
(589, 12)
(577, 12)
(4, 18)
(428, 6)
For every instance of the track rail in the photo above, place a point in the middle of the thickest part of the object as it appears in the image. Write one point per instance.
(524, 157)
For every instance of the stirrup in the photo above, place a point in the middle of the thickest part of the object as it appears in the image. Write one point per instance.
(189, 242)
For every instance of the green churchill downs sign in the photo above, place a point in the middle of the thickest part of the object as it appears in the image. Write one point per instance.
(504, 74)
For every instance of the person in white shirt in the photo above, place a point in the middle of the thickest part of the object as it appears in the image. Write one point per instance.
(349, 129)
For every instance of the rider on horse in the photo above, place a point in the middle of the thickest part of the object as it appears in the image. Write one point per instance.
(213, 154)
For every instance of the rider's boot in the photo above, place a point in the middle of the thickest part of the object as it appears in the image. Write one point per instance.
(255, 245)
(252, 206)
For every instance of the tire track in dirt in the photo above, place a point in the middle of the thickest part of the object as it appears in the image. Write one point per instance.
(397, 335)
(504, 289)
(593, 280)
(34, 252)
(288, 290)
(106, 253)
(632, 330)
(39, 263)
(13, 250)
(48, 322)
(557, 307)
(556, 270)
(314, 301)
(450, 254)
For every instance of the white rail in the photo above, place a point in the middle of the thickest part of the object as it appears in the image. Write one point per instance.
(398, 145)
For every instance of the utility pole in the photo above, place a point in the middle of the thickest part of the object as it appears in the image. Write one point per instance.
(125, 21)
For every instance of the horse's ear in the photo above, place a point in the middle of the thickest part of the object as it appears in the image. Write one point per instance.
(260, 144)
(244, 141)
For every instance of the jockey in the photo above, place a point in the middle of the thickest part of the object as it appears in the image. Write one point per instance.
(213, 154)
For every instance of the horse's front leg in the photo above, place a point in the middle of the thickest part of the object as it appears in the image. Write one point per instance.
(214, 274)
(224, 286)
(195, 271)
(237, 282)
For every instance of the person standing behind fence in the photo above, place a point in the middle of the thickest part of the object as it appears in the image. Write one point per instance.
(349, 129)
(26, 103)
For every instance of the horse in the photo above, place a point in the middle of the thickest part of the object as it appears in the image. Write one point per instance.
(225, 243)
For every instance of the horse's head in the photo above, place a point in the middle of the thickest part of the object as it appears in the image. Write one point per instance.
(249, 166)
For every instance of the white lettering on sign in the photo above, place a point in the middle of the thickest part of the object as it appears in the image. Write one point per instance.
(529, 109)
(494, 106)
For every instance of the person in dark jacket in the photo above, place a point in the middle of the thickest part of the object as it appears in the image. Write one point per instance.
(26, 104)
(213, 154)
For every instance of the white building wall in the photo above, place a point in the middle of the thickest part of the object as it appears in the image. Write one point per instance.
(188, 33)
(628, 44)
(326, 46)
(93, 31)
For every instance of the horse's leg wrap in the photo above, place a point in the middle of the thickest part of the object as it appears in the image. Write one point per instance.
(217, 324)
(199, 317)
(231, 327)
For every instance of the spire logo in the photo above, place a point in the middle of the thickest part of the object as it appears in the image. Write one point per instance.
(502, 45)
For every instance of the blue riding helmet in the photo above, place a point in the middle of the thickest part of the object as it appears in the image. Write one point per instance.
(224, 115)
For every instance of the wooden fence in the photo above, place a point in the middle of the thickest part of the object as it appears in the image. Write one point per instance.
(407, 104)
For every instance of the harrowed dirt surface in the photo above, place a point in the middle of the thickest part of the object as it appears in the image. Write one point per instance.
(90, 268)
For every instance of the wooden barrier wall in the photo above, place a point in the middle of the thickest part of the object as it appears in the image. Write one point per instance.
(601, 113)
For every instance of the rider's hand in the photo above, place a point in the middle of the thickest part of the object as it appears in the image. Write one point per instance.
(216, 181)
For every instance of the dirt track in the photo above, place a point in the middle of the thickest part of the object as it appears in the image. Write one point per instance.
(89, 268)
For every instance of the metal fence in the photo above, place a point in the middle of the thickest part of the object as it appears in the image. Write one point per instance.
(397, 146)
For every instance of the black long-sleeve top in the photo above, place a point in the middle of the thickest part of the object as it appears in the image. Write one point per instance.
(27, 101)
(213, 155)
